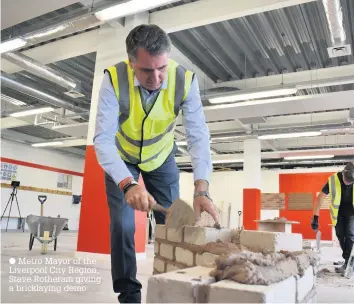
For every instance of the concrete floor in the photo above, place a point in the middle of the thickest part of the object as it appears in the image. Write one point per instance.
(97, 288)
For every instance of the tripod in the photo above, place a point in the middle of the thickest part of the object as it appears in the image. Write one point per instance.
(11, 199)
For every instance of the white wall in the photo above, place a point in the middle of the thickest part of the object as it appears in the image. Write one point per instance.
(227, 188)
(40, 178)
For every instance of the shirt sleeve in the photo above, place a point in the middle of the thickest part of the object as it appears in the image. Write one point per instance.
(105, 133)
(325, 189)
(197, 133)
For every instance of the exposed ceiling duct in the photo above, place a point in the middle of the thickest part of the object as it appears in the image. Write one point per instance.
(45, 72)
(334, 15)
(45, 97)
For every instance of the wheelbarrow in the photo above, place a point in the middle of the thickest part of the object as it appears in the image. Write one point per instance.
(45, 229)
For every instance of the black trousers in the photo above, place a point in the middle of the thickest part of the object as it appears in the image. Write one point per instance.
(345, 234)
(163, 185)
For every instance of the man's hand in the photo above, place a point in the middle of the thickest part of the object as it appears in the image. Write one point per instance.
(139, 199)
(202, 203)
(314, 223)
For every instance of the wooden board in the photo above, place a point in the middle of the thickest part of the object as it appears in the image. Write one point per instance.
(300, 201)
(35, 189)
(272, 201)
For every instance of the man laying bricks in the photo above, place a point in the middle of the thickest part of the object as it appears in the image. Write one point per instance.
(139, 102)
(341, 191)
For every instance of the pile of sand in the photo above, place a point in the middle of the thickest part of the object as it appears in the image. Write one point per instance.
(262, 268)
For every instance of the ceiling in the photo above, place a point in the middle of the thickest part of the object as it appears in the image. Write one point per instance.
(282, 46)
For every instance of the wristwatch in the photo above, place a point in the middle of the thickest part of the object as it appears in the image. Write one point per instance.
(129, 185)
(202, 193)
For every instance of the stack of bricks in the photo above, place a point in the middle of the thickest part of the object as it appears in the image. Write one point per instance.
(185, 247)
(184, 260)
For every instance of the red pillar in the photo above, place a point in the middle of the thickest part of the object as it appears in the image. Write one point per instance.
(251, 208)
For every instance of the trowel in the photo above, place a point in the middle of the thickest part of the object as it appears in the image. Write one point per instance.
(318, 241)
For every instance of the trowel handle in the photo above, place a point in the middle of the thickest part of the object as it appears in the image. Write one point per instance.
(159, 208)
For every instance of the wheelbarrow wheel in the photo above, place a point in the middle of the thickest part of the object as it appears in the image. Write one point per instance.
(31, 241)
(55, 245)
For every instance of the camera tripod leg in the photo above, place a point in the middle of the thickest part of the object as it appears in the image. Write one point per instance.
(8, 218)
(6, 207)
(19, 212)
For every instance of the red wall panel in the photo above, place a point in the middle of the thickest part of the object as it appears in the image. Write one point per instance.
(94, 226)
(251, 208)
(305, 182)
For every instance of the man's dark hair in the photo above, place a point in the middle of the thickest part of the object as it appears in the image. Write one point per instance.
(149, 37)
(348, 172)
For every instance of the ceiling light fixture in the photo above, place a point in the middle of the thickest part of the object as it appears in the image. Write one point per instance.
(32, 112)
(11, 45)
(47, 144)
(254, 95)
(303, 157)
(228, 161)
(289, 135)
(129, 8)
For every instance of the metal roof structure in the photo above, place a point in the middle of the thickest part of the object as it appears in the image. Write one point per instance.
(252, 52)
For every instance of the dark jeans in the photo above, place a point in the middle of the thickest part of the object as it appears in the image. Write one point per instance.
(163, 185)
(345, 234)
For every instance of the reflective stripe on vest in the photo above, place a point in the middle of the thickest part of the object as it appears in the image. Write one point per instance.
(146, 139)
(335, 192)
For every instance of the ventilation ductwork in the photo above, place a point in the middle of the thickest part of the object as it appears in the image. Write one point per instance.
(45, 72)
(334, 15)
(45, 97)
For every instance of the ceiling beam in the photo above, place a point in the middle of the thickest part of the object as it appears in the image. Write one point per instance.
(59, 50)
(275, 154)
(333, 75)
(194, 14)
(279, 106)
(205, 12)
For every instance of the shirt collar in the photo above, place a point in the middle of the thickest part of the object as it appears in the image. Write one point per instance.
(163, 86)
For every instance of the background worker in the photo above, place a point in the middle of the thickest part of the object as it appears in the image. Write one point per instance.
(139, 102)
(340, 189)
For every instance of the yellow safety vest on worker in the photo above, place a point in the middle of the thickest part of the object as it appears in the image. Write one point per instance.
(335, 192)
(147, 139)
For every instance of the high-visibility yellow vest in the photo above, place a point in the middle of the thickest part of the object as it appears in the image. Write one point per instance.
(335, 192)
(147, 139)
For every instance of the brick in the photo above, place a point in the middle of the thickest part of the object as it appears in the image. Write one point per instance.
(304, 284)
(175, 235)
(166, 251)
(156, 247)
(160, 232)
(184, 256)
(184, 286)
(206, 259)
(159, 265)
(205, 235)
(227, 291)
(170, 267)
(271, 241)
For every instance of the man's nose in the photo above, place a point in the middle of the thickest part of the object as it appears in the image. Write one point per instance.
(155, 75)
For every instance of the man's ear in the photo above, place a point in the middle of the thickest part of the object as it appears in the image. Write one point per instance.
(130, 63)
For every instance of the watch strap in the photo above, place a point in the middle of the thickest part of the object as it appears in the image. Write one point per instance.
(202, 193)
(129, 185)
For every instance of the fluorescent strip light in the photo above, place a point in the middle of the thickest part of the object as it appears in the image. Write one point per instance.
(32, 112)
(47, 144)
(308, 157)
(254, 95)
(228, 161)
(12, 45)
(290, 135)
(130, 8)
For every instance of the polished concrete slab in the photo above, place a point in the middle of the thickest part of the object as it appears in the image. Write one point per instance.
(64, 277)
